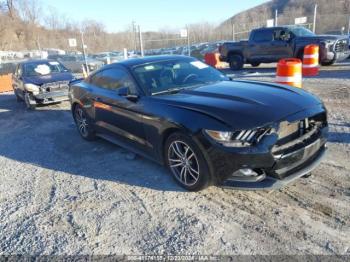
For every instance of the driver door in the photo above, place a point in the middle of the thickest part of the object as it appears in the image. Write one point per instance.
(115, 114)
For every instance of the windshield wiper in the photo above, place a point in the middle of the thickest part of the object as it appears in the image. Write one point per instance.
(172, 90)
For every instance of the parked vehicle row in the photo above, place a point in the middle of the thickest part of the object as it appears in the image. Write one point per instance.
(76, 63)
(197, 50)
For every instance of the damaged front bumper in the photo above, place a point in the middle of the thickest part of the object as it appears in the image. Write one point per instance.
(266, 182)
(276, 160)
(51, 97)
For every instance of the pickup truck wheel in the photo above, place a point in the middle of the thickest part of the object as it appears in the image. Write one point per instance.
(255, 64)
(236, 62)
(28, 99)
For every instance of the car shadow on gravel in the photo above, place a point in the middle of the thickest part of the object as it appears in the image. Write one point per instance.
(47, 138)
(339, 137)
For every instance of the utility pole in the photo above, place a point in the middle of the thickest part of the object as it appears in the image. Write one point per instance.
(134, 34)
(84, 53)
(276, 17)
(188, 41)
(233, 30)
(315, 16)
(141, 42)
(349, 26)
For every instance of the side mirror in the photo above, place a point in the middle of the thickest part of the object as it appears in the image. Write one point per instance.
(124, 91)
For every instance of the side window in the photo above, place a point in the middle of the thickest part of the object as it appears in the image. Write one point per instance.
(281, 35)
(115, 78)
(263, 36)
(96, 79)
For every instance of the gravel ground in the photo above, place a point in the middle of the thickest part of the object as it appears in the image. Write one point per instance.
(62, 195)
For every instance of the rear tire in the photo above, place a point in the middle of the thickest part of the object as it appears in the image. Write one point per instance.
(186, 162)
(84, 123)
(236, 62)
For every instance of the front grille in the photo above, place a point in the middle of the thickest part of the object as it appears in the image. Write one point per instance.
(298, 134)
(55, 86)
(341, 45)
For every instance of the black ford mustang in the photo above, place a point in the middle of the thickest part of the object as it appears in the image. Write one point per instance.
(204, 127)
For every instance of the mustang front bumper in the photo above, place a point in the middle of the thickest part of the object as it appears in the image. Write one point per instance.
(269, 183)
(259, 168)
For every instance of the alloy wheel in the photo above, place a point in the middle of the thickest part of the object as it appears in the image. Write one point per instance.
(183, 163)
(81, 122)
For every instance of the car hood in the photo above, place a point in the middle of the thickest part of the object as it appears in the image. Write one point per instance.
(40, 80)
(320, 38)
(243, 104)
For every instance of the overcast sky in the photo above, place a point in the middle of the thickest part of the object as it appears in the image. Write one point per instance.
(116, 15)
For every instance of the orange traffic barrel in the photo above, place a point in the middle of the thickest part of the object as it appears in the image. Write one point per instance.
(289, 72)
(213, 59)
(310, 60)
(210, 59)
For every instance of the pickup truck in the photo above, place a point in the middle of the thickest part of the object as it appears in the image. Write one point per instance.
(268, 45)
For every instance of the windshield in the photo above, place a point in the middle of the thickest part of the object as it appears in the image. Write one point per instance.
(167, 76)
(301, 31)
(43, 68)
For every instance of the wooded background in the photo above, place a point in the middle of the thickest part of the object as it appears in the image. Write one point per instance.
(29, 24)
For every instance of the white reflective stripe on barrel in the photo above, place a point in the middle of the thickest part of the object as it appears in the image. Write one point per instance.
(287, 79)
(311, 56)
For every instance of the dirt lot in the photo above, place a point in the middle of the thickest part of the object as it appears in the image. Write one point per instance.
(62, 195)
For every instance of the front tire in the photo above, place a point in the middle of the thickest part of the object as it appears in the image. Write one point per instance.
(18, 98)
(186, 162)
(255, 64)
(83, 123)
(28, 99)
(236, 62)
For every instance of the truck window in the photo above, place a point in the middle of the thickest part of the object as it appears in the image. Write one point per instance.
(281, 35)
(262, 36)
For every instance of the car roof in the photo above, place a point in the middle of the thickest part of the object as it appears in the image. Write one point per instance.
(279, 27)
(35, 61)
(151, 59)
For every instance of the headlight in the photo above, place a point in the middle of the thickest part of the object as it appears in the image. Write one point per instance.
(243, 138)
(32, 88)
